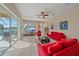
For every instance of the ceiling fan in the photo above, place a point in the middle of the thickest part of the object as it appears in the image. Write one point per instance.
(43, 14)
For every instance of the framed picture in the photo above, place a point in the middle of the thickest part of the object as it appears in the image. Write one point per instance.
(46, 30)
(52, 26)
(63, 25)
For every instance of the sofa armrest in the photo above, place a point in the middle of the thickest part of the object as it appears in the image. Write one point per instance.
(42, 51)
(70, 51)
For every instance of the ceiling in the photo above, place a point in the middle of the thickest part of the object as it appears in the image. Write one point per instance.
(4, 12)
(30, 10)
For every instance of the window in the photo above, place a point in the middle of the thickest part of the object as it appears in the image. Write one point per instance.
(29, 27)
(8, 33)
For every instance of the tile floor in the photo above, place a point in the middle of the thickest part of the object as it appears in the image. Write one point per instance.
(23, 47)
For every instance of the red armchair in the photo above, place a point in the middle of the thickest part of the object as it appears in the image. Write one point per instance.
(39, 33)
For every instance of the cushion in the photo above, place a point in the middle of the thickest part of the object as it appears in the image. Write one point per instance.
(74, 40)
(41, 50)
(54, 48)
(53, 32)
(67, 43)
(57, 35)
(47, 45)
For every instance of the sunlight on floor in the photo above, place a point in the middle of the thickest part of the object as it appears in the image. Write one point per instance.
(24, 47)
(20, 45)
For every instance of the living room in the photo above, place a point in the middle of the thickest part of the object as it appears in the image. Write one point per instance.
(34, 22)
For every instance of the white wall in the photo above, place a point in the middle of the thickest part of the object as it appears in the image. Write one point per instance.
(72, 16)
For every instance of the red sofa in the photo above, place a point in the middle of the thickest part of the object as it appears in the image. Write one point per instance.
(62, 47)
(56, 35)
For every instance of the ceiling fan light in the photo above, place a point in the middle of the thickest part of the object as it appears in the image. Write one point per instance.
(46, 15)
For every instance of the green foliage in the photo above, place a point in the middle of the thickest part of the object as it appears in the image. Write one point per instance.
(1, 28)
(28, 26)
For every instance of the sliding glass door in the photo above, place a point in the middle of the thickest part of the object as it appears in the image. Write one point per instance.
(8, 33)
(14, 29)
(4, 34)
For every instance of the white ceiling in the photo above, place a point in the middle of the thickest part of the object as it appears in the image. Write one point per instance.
(30, 10)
